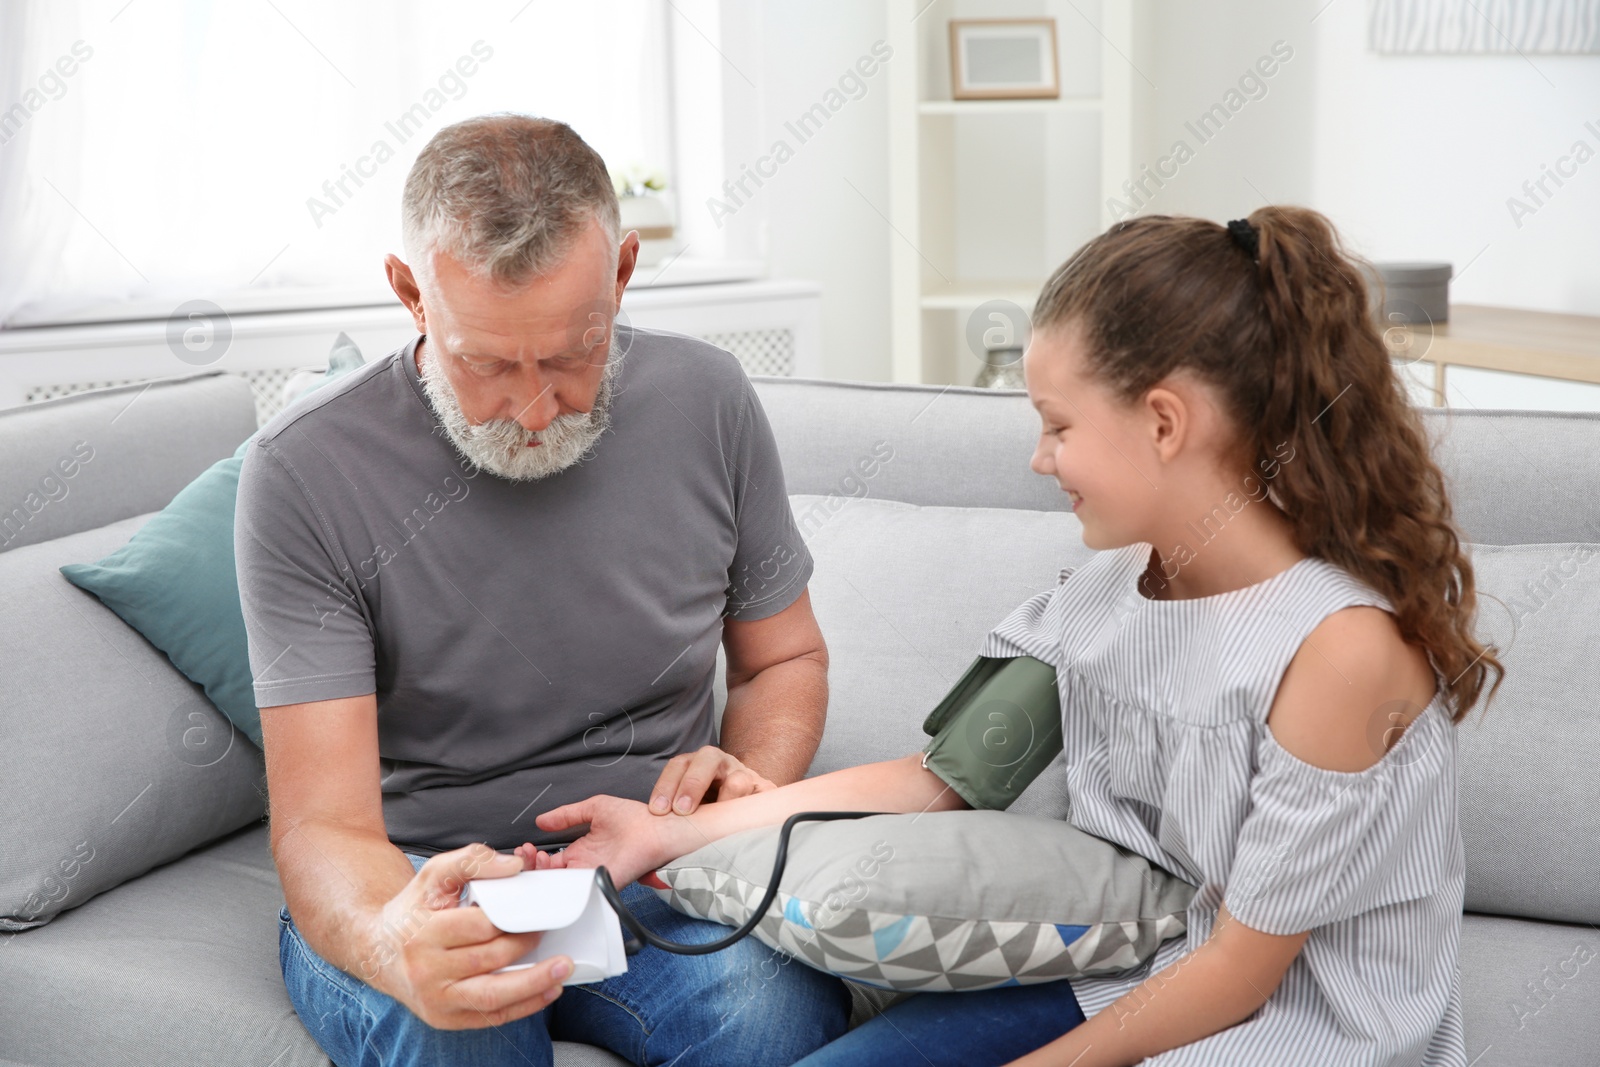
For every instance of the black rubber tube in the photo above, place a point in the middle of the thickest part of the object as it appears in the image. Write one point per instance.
(643, 935)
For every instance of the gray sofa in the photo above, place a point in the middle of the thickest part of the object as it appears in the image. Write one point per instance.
(927, 526)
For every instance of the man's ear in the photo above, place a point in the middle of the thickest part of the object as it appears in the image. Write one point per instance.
(405, 287)
(627, 259)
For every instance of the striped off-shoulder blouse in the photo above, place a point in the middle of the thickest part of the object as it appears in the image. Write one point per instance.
(1168, 753)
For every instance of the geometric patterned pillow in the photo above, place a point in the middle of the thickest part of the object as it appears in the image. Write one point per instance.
(949, 900)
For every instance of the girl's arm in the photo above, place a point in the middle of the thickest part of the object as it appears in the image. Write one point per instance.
(1323, 714)
(630, 841)
(1214, 987)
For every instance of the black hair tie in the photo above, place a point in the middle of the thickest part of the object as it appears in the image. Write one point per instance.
(1246, 237)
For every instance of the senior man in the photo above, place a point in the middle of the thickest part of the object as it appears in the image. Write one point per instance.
(486, 575)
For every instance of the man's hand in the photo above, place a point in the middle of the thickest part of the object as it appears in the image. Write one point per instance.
(438, 959)
(623, 837)
(709, 774)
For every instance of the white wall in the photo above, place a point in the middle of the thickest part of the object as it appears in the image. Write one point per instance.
(1189, 57)
(817, 215)
(1416, 156)
(1413, 157)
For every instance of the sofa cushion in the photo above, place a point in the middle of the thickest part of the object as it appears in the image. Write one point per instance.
(1510, 473)
(946, 445)
(178, 967)
(144, 442)
(113, 762)
(905, 596)
(175, 582)
(1528, 992)
(1530, 810)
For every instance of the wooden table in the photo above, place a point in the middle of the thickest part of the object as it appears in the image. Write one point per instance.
(1513, 340)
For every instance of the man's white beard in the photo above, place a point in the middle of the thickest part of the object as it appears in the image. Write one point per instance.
(500, 446)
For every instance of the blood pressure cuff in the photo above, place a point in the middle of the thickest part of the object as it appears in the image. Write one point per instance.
(996, 731)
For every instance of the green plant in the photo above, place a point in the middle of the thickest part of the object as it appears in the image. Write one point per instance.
(638, 180)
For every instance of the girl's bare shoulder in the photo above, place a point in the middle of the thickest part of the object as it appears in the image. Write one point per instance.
(1351, 690)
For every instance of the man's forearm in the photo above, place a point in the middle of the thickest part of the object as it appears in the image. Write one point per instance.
(773, 722)
(336, 883)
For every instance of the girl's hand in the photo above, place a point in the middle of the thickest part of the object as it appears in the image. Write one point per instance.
(623, 837)
(535, 860)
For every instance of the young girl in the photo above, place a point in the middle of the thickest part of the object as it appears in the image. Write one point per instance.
(1259, 671)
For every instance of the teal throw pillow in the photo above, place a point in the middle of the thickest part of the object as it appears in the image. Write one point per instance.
(175, 581)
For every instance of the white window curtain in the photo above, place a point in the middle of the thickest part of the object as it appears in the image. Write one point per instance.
(253, 152)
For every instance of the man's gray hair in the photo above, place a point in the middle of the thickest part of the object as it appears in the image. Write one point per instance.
(505, 195)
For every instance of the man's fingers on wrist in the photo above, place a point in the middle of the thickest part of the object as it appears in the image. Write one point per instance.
(705, 768)
(669, 784)
(690, 793)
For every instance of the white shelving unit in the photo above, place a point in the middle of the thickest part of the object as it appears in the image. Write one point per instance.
(987, 197)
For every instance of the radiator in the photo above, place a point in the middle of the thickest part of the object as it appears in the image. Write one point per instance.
(772, 328)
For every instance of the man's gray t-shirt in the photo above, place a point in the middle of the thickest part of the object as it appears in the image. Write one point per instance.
(530, 643)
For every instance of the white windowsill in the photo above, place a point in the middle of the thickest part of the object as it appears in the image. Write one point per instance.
(667, 274)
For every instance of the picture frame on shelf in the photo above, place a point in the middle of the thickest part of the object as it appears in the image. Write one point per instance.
(1004, 59)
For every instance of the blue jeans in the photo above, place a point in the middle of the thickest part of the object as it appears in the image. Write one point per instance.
(743, 1007)
(976, 1029)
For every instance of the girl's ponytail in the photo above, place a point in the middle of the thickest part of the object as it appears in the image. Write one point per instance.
(1289, 340)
